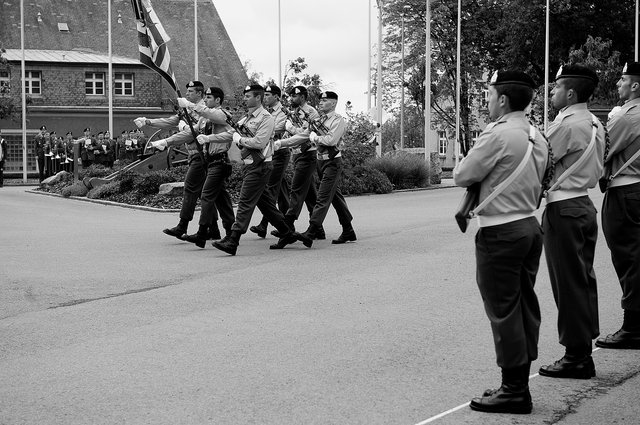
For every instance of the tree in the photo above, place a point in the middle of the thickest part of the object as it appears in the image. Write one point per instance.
(9, 109)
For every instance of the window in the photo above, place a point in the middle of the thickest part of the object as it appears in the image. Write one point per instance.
(33, 82)
(5, 83)
(123, 84)
(484, 101)
(442, 142)
(474, 137)
(94, 83)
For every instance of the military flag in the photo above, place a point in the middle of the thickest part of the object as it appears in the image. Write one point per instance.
(152, 41)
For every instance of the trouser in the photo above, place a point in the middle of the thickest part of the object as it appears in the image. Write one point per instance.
(252, 194)
(193, 182)
(277, 186)
(1, 173)
(621, 227)
(507, 258)
(329, 194)
(41, 175)
(214, 195)
(570, 233)
(303, 188)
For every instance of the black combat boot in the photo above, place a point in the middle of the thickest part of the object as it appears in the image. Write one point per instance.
(320, 235)
(576, 363)
(628, 337)
(347, 235)
(230, 243)
(289, 220)
(260, 230)
(199, 238)
(288, 235)
(213, 233)
(179, 230)
(513, 396)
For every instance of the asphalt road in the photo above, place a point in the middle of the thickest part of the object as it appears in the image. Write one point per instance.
(104, 319)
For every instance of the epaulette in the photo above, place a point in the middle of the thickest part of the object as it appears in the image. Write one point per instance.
(490, 126)
(631, 107)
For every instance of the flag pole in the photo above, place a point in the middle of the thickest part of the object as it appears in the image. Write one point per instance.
(546, 71)
(195, 38)
(280, 46)
(456, 148)
(427, 89)
(24, 97)
(110, 68)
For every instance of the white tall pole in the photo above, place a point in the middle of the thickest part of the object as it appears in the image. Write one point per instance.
(456, 148)
(636, 43)
(427, 89)
(280, 45)
(24, 96)
(379, 83)
(546, 71)
(368, 62)
(195, 39)
(402, 86)
(110, 71)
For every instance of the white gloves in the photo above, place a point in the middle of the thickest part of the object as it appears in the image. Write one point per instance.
(614, 111)
(182, 126)
(184, 103)
(313, 137)
(159, 144)
(277, 145)
(202, 139)
(140, 122)
(236, 138)
(288, 126)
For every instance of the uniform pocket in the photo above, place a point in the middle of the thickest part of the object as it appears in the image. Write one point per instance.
(632, 206)
(573, 212)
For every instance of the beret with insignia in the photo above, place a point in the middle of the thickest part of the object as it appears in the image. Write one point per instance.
(512, 77)
(69, 133)
(43, 127)
(631, 68)
(273, 89)
(577, 71)
(195, 84)
(299, 90)
(87, 129)
(329, 95)
(253, 87)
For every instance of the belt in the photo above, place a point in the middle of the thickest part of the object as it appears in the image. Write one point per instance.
(325, 156)
(222, 156)
(561, 195)
(624, 180)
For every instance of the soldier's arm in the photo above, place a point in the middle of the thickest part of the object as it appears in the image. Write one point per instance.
(215, 115)
(222, 137)
(262, 135)
(168, 122)
(479, 162)
(337, 127)
(620, 134)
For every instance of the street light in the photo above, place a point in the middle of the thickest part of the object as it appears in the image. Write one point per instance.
(379, 83)
(404, 10)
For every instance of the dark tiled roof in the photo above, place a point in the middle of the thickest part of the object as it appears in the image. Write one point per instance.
(218, 62)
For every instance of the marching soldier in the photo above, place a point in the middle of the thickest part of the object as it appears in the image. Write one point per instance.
(509, 240)
(197, 172)
(217, 141)
(569, 222)
(277, 185)
(3, 157)
(39, 144)
(621, 207)
(327, 136)
(303, 189)
(256, 152)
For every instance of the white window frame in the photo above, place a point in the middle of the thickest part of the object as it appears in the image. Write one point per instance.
(5, 82)
(443, 142)
(31, 79)
(120, 82)
(91, 80)
(484, 101)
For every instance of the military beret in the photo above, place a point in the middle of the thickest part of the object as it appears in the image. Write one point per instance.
(577, 71)
(196, 84)
(214, 91)
(253, 87)
(87, 129)
(124, 132)
(631, 68)
(273, 89)
(53, 132)
(329, 95)
(512, 77)
(299, 90)
(69, 133)
(43, 127)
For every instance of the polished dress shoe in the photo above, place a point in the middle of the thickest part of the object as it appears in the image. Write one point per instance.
(275, 233)
(564, 368)
(503, 400)
(197, 238)
(287, 239)
(228, 244)
(176, 232)
(349, 236)
(319, 235)
(259, 230)
(214, 233)
(621, 340)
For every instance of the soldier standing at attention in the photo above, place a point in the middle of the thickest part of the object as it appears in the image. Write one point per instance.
(216, 140)
(256, 154)
(509, 240)
(39, 143)
(621, 207)
(197, 172)
(277, 185)
(569, 222)
(333, 127)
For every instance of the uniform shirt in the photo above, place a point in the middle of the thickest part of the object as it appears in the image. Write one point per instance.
(184, 135)
(261, 124)
(336, 127)
(220, 137)
(494, 157)
(280, 120)
(300, 135)
(569, 135)
(39, 145)
(624, 133)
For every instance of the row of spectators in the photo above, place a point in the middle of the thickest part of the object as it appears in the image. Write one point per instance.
(55, 153)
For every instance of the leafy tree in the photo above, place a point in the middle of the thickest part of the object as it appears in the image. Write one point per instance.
(9, 109)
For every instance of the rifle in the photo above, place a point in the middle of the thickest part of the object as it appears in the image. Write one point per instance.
(241, 129)
(184, 115)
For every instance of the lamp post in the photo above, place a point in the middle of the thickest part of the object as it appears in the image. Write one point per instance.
(427, 87)
(369, 62)
(379, 83)
(404, 10)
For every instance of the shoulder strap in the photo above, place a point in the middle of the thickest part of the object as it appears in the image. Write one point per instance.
(625, 165)
(507, 182)
(585, 155)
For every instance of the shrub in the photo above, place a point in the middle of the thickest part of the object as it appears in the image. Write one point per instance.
(76, 189)
(364, 179)
(149, 183)
(404, 170)
(104, 191)
(94, 170)
(356, 149)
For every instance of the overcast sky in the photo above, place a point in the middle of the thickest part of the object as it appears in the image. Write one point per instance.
(332, 35)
